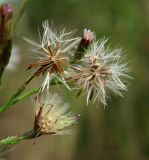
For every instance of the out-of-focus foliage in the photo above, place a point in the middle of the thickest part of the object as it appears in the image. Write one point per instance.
(119, 132)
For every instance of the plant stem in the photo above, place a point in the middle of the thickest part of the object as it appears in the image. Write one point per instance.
(16, 139)
(18, 96)
(15, 99)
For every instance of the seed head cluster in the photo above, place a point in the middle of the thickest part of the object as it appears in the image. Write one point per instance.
(81, 63)
(95, 70)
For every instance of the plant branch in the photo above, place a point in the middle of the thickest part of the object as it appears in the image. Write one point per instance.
(17, 96)
(16, 139)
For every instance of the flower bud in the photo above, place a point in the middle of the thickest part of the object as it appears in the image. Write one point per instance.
(6, 13)
(86, 40)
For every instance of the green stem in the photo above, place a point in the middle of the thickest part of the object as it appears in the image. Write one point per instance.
(14, 97)
(11, 140)
(16, 139)
(19, 96)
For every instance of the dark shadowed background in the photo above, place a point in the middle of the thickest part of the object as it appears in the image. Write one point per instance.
(118, 132)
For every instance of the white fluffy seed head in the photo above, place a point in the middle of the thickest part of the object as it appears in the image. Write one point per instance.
(52, 115)
(52, 37)
(51, 53)
(101, 69)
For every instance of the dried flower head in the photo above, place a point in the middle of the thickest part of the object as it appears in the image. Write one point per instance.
(52, 50)
(52, 115)
(100, 70)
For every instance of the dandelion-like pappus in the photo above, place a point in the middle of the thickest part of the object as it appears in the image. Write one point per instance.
(99, 71)
(52, 115)
(51, 53)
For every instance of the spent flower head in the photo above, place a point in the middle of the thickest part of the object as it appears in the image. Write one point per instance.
(51, 52)
(52, 115)
(100, 70)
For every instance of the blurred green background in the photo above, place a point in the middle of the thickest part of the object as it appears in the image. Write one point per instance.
(118, 132)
